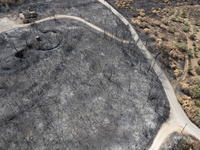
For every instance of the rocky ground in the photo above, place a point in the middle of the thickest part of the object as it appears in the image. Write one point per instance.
(76, 88)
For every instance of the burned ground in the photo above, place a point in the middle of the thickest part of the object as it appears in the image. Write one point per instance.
(76, 88)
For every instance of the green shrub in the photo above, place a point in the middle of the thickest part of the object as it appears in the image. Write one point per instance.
(196, 89)
(181, 46)
(195, 48)
(195, 29)
(178, 11)
(194, 43)
(173, 28)
(195, 53)
(181, 20)
(196, 23)
(165, 21)
(192, 37)
(190, 52)
(198, 70)
(186, 28)
(198, 62)
(187, 24)
(197, 103)
(172, 11)
(191, 2)
(183, 14)
(197, 114)
(173, 18)
(190, 69)
(179, 39)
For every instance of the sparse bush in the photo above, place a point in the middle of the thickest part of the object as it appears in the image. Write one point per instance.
(197, 68)
(173, 18)
(186, 145)
(190, 52)
(190, 69)
(172, 11)
(198, 62)
(163, 37)
(181, 46)
(187, 24)
(146, 30)
(165, 21)
(176, 73)
(177, 13)
(191, 2)
(195, 53)
(196, 23)
(183, 14)
(179, 39)
(173, 28)
(186, 28)
(195, 48)
(197, 114)
(195, 29)
(192, 37)
(194, 43)
(134, 15)
(197, 102)
(181, 20)
(196, 89)
(155, 33)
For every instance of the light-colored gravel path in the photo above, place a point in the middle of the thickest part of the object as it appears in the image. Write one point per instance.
(6, 24)
(178, 119)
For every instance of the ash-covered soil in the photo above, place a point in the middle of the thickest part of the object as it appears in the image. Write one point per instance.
(75, 88)
(98, 14)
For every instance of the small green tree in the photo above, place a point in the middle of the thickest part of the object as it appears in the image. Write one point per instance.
(192, 37)
(197, 114)
(172, 12)
(165, 21)
(173, 18)
(177, 13)
(197, 70)
(186, 28)
(195, 53)
(198, 62)
(173, 28)
(181, 46)
(190, 69)
(194, 43)
(196, 89)
(179, 39)
(190, 52)
(196, 23)
(195, 29)
(187, 24)
(183, 14)
(197, 102)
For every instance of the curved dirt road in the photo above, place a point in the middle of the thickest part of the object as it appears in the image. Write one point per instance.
(178, 118)
(13, 25)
